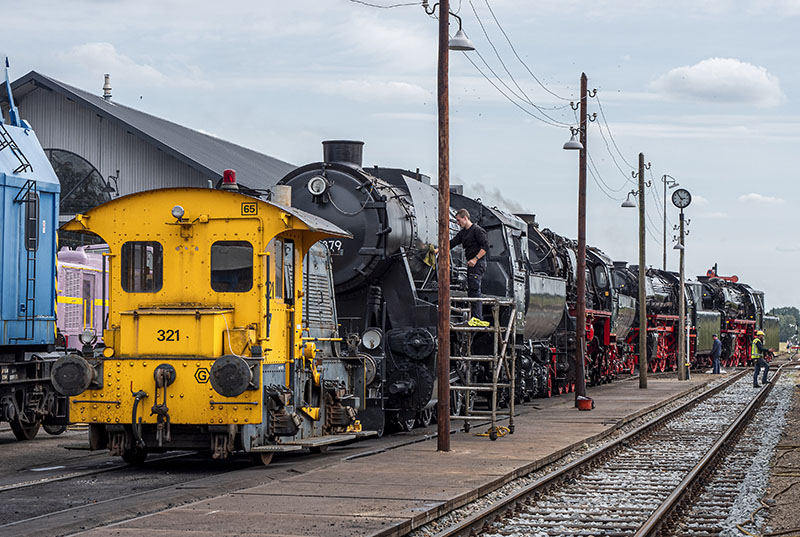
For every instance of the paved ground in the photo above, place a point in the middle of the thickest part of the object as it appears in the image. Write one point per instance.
(395, 491)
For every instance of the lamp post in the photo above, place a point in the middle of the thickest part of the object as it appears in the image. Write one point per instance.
(681, 198)
(580, 283)
(459, 42)
(672, 183)
(642, 297)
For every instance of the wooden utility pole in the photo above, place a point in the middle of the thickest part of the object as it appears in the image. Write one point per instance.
(642, 276)
(580, 303)
(682, 369)
(443, 259)
(664, 244)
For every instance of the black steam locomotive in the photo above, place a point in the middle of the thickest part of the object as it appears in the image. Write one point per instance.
(387, 292)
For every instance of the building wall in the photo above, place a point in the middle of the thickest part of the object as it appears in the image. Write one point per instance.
(61, 124)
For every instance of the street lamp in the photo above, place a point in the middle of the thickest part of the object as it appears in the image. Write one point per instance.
(629, 203)
(459, 42)
(672, 183)
(580, 276)
(642, 296)
(573, 143)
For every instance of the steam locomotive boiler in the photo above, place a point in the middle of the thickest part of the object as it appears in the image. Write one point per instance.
(539, 297)
(386, 293)
(608, 314)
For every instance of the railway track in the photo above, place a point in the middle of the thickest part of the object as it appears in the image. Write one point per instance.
(637, 485)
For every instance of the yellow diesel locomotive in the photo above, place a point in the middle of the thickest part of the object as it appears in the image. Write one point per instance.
(206, 345)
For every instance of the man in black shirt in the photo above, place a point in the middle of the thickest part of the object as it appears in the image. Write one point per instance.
(476, 246)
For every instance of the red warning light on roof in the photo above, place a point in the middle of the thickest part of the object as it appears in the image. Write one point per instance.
(229, 180)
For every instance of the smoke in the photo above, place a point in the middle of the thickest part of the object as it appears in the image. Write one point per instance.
(493, 197)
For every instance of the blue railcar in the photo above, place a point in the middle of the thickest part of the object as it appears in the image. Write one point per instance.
(29, 196)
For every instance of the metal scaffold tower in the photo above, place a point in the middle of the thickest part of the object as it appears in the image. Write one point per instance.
(490, 373)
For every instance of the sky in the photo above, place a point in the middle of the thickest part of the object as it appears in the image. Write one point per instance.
(707, 91)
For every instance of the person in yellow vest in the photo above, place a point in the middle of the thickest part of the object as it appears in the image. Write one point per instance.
(757, 355)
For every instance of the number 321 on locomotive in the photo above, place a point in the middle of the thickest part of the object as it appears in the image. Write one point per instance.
(168, 335)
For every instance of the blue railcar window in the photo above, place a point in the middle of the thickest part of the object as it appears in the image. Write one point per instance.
(142, 266)
(231, 266)
(32, 222)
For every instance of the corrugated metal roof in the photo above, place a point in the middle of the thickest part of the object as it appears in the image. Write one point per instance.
(203, 152)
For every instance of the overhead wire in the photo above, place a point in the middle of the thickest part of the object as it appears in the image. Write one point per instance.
(603, 116)
(598, 180)
(611, 154)
(525, 97)
(554, 123)
(514, 50)
(381, 6)
(591, 161)
(659, 198)
(512, 101)
(594, 171)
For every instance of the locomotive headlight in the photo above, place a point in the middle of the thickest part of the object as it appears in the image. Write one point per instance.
(317, 185)
(178, 212)
(87, 337)
(371, 339)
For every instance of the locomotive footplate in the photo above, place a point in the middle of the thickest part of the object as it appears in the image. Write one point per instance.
(296, 445)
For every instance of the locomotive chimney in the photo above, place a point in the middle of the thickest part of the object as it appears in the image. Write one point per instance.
(348, 152)
(107, 88)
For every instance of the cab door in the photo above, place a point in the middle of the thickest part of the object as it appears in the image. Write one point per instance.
(282, 256)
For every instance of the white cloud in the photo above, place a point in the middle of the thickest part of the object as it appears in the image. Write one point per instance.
(714, 215)
(104, 58)
(759, 198)
(410, 116)
(723, 80)
(699, 200)
(372, 90)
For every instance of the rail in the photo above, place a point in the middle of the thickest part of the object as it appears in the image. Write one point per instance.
(479, 521)
(664, 512)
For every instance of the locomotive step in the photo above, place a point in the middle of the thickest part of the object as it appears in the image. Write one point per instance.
(477, 358)
(321, 440)
(487, 386)
(484, 418)
(488, 413)
(297, 445)
(276, 448)
(477, 329)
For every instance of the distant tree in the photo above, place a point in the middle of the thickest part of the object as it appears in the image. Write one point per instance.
(789, 321)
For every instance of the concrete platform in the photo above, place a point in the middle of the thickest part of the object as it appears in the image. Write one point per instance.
(391, 493)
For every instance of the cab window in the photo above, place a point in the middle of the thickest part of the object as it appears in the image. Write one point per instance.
(275, 248)
(142, 266)
(231, 266)
(288, 271)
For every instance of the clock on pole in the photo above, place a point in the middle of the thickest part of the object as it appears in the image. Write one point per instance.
(681, 198)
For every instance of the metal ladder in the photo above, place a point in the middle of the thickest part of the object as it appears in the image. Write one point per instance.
(501, 360)
(28, 195)
(7, 141)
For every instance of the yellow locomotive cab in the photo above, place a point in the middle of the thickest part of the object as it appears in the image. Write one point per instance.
(204, 341)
